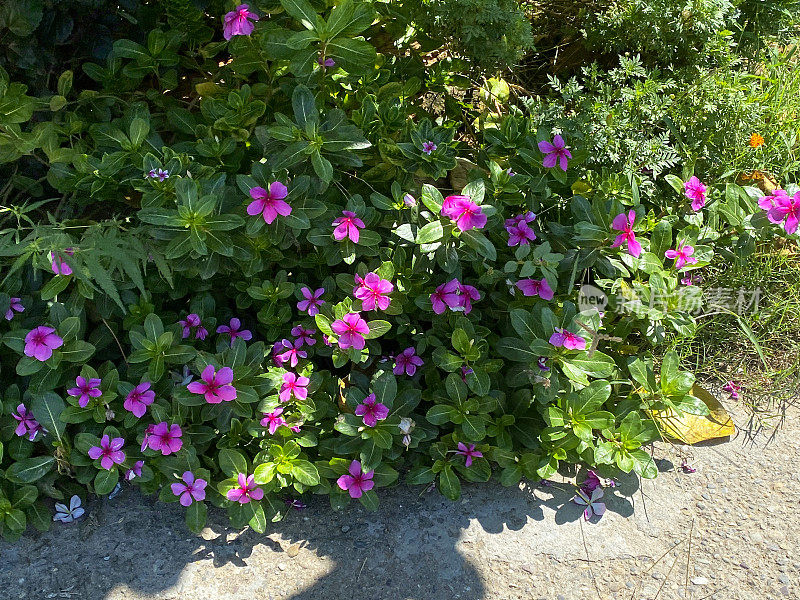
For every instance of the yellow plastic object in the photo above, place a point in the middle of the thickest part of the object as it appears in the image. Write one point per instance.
(692, 429)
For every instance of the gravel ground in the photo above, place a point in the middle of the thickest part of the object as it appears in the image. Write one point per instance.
(739, 510)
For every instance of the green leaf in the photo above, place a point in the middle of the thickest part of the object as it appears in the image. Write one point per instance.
(304, 106)
(661, 238)
(377, 328)
(305, 472)
(105, 482)
(55, 286)
(352, 55)
(432, 232)
(432, 198)
(196, 514)
(47, 408)
(138, 132)
(480, 243)
(449, 484)
(301, 11)
(30, 470)
(232, 462)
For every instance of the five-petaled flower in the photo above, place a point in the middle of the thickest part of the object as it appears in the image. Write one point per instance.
(464, 212)
(14, 304)
(237, 23)
(293, 386)
(347, 225)
(373, 291)
(28, 425)
(567, 339)
(58, 265)
(535, 287)
(215, 385)
(139, 398)
(468, 452)
(41, 341)
(273, 420)
(782, 208)
(166, 438)
(682, 255)
(234, 330)
(351, 330)
(85, 390)
(407, 362)
(592, 503)
(519, 230)
(355, 481)
(303, 335)
(557, 152)
(269, 203)
(160, 174)
(624, 224)
(247, 490)
(696, 192)
(193, 321)
(454, 295)
(109, 452)
(372, 411)
(190, 489)
(291, 352)
(428, 147)
(312, 301)
(67, 514)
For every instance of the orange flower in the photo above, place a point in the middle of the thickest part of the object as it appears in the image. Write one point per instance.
(756, 140)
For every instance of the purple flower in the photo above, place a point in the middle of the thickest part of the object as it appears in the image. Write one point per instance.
(293, 352)
(58, 265)
(325, 62)
(464, 212)
(568, 340)
(351, 330)
(557, 152)
(234, 330)
(14, 305)
(696, 192)
(273, 420)
(407, 362)
(347, 225)
(467, 294)
(682, 255)
(303, 335)
(520, 219)
(148, 431)
(246, 491)
(409, 200)
(293, 386)
(237, 23)
(733, 389)
(446, 295)
(41, 341)
(85, 390)
(192, 321)
(28, 425)
(509, 172)
(373, 291)
(356, 482)
(372, 411)
(139, 398)
(294, 503)
(160, 174)
(428, 147)
(312, 301)
(67, 514)
(190, 490)
(592, 503)
(270, 203)
(135, 470)
(468, 452)
(541, 363)
(594, 481)
(109, 452)
(215, 385)
(533, 287)
(625, 225)
(166, 438)
(520, 235)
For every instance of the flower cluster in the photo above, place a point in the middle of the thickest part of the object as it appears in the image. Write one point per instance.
(454, 295)
(783, 209)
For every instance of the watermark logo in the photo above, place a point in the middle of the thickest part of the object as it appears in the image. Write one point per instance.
(590, 297)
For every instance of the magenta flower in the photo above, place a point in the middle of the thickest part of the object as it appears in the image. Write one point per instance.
(696, 192)
(192, 321)
(625, 225)
(41, 341)
(592, 503)
(372, 291)
(190, 490)
(356, 482)
(733, 389)
(407, 362)
(469, 452)
(351, 330)
(139, 398)
(28, 425)
(312, 301)
(135, 471)
(303, 335)
(347, 226)
(464, 212)
(557, 152)
(270, 203)
(768, 202)
(446, 295)
(273, 420)
(594, 481)
(58, 265)
(687, 468)
(428, 147)
(148, 431)
(683, 255)
(467, 294)
(85, 390)
(786, 210)
(237, 23)
(234, 330)
(372, 411)
(160, 174)
(520, 235)
(293, 386)
(166, 438)
(215, 385)
(292, 353)
(276, 354)
(526, 217)
(109, 452)
(246, 491)
(568, 340)
(533, 287)
(15, 304)
(325, 62)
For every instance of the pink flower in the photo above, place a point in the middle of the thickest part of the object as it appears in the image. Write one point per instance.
(351, 330)
(58, 265)
(139, 398)
(733, 389)
(27, 423)
(325, 62)
(293, 354)
(270, 203)
(555, 152)
(312, 301)
(41, 341)
(428, 147)
(372, 291)
(446, 295)
(236, 22)
(407, 362)
(526, 217)
(135, 470)
(467, 294)
(372, 411)
(347, 226)
(246, 491)
(303, 335)
(276, 354)
(192, 321)
(110, 451)
(696, 192)
(568, 340)
(464, 212)
(683, 255)
(15, 304)
(625, 225)
(148, 431)
(520, 235)
(356, 482)
(786, 210)
(234, 330)
(215, 385)
(273, 420)
(293, 386)
(191, 489)
(533, 287)
(166, 438)
(469, 452)
(768, 202)
(85, 390)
